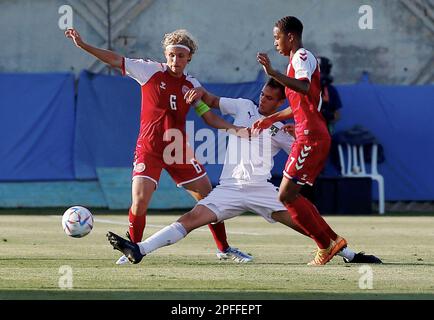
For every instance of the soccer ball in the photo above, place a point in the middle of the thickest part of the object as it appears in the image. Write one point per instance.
(77, 222)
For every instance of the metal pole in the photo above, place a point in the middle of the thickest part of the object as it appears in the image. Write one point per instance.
(109, 31)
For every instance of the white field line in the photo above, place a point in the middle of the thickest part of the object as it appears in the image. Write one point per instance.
(202, 229)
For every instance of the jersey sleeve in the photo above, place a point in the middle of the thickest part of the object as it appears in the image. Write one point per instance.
(193, 81)
(304, 65)
(140, 70)
(232, 106)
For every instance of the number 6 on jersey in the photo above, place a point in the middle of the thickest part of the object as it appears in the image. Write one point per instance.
(172, 101)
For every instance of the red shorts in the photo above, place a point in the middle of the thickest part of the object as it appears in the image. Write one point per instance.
(307, 159)
(150, 166)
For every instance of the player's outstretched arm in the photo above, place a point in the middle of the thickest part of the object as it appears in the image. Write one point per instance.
(200, 93)
(106, 56)
(203, 99)
(218, 122)
(266, 122)
(301, 86)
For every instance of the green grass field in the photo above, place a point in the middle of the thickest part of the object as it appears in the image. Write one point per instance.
(34, 247)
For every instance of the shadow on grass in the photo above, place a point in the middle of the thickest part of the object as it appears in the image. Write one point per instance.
(218, 263)
(407, 264)
(200, 295)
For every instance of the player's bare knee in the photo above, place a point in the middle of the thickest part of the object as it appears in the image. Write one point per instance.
(205, 190)
(282, 197)
(277, 216)
(199, 189)
(185, 217)
(286, 197)
(187, 221)
(139, 206)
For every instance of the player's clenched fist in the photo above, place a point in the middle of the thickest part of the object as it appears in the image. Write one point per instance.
(75, 36)
(262, 124)
(194, 94)
(289, 128)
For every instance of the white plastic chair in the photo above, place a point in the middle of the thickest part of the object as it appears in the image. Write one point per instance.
(356, 168)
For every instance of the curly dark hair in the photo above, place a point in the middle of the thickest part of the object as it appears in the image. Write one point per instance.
(290, 24)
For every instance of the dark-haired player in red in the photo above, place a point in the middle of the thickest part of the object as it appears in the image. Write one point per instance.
(161, 143)
(310, 149)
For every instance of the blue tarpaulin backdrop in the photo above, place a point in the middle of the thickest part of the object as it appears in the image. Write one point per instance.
(107, 124)
(401, 117)
(42, 138)
(36, 126)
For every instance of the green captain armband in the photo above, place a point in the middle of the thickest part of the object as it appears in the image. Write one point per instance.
(201, 108)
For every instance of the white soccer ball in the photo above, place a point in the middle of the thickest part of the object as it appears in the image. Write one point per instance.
(77, 222)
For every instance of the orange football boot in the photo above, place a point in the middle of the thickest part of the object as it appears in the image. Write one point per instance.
(325, 255)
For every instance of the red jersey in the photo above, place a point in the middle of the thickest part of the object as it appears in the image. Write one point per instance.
(163, 104)
(306, 108)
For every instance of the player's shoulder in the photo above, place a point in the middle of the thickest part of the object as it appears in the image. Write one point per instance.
(239, 102)
(147, 61)
(192, 80)
(145, 64)
(243, 102)
(303, 54)
(141, 69)
(240, 108)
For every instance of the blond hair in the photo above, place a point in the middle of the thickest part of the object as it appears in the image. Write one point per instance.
(182, 37)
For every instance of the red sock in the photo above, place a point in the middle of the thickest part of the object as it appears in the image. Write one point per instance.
(218, 231)
(323, 223)
(302, 213)
(136, 226)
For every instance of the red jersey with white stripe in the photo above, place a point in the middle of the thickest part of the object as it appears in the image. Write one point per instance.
(306, 107)
(163, 104)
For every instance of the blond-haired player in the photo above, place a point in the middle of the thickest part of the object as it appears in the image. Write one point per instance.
(163, 115)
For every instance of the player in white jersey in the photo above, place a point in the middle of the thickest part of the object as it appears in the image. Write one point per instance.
(243, 183)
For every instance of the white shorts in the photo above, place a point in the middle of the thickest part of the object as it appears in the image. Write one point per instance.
(228, 201)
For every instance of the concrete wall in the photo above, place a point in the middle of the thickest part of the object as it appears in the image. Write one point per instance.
(398, 50)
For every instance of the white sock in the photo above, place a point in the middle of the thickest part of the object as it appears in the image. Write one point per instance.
(347, 253)
(165, 237)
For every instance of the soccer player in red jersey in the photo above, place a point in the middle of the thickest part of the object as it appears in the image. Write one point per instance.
(162, 142)
(310, 149)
